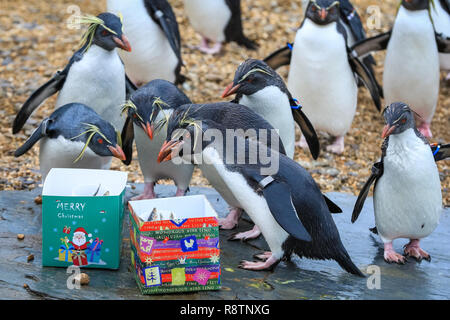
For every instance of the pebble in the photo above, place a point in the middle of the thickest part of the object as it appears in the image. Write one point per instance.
(82, 279)
(20, 236)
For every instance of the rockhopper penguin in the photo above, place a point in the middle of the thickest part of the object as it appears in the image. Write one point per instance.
(440, 14)
(146, 108)
(260, 88)
(153, 30)
(411, 75)
(323, 75)
(217, 21)
(94, 76)
(74, 136)
(287, 205)
(407, 194)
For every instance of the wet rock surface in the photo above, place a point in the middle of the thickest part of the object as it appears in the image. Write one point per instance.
(21, 278)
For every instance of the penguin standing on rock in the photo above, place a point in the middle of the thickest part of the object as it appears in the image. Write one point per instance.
(323, 75)
(411, 75)
(146, 108)
(260, 88)
(407, 160)
(217, 21)
(74, 136)
(153, 30)
(95, 75)
(284, 202)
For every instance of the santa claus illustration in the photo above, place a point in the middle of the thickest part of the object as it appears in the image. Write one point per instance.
(79, 241)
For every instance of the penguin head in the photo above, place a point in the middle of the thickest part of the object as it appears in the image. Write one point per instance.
(144, 110)
(100, 137)
(398, 117)
(323, 12)
(183, 132)
(251, 76)
(105, 31)
(415, 5)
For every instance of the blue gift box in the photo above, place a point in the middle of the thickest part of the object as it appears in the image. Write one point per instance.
(94, 250)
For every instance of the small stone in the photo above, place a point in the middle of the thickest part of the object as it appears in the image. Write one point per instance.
(38, 200)
(20, 236)
(30, 258)
(82, 279)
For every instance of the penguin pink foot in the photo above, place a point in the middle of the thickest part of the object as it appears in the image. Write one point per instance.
(337, 147)
(231, 221)
(205, 48)
(269, 264)
(390, 256)
(249, 235)
(263, 256)
(149, 192)
(424, 129)
(412, 249)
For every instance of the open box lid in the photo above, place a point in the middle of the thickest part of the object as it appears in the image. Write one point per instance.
(84, 182)
(187, 207)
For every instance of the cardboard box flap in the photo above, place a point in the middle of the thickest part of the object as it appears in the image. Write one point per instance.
(182, 207)
(84, 182)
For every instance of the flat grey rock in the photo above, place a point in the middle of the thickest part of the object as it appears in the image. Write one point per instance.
(299, 279)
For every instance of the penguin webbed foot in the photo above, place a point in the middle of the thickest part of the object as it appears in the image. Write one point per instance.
(337, 147)
(205, 48)
(268, 265)
(412, 249)
(390, 256)
(231, 221)
(245, 236)
(149, 193)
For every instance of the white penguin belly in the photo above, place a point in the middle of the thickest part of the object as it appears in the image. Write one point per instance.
(441, 20)
(407, 198)
(151, 57)
(255, 205)
(209, 18)
(321, 78)
(273, 105)
(98, 81)
(61, 153)
(411, 69)
(148, 151)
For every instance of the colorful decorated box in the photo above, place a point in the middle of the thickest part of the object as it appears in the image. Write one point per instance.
(82, 217)
(175, 245)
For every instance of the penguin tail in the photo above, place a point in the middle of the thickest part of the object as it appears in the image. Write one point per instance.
(347, 264)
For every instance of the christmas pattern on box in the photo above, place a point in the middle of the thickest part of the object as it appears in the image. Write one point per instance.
(175, 255)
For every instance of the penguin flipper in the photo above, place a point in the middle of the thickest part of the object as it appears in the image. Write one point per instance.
(127, 140)
(37, 98)
(279, 58)
(279, 200)
(443, 43)
(39, 133)
(333, 207)
(377, 43)
(441, 152)
(377, 172)
(234, 31)
(368, 78)
(308, 131)
(162, 13)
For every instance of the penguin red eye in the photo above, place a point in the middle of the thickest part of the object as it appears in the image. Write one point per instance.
(403, 121)
(105, 33)
(134, 115)
(100, 141)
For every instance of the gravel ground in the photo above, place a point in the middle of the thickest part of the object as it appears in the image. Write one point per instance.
(35, 42)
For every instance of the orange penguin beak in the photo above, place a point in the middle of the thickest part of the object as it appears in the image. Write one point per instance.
(168, 149)
(230, 89)
(387, 131)
(323, 14)
(117, 152)
(123, 43)
(149, 129)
